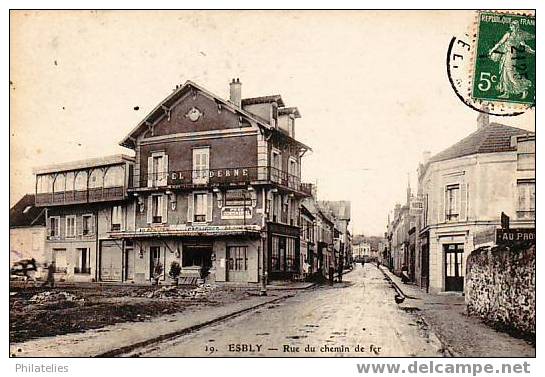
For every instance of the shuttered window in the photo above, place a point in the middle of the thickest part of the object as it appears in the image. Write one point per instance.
(526, 191)
(156, 209)
(70, 226)
(117, 217)
(88, 225)
(201, 165)
(452, 200)
(200, 207)
(157, 169)
(54, 226)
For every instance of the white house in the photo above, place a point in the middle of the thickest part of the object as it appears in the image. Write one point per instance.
(464, 190)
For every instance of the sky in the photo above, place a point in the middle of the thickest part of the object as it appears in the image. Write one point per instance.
(371, 87)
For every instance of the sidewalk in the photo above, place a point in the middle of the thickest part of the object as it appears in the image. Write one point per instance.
(107, 340)
(461, 335)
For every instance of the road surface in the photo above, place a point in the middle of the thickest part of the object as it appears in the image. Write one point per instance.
(358, 317)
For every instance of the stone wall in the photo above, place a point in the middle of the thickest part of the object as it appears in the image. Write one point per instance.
(500, 288)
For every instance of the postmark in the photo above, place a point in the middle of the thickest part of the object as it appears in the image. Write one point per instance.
(491, 67)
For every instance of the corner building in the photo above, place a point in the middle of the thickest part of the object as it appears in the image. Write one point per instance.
(216, 186)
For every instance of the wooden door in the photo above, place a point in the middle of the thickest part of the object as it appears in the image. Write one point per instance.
(454, 274)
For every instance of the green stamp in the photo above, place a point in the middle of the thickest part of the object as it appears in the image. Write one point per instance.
(505, 64)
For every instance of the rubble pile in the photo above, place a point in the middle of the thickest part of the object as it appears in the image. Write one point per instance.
(172, 291)
(49, 296)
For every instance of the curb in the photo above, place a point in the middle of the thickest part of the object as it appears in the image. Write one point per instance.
(396, 287)
(446, 348)
(187, 330)
(280, 288)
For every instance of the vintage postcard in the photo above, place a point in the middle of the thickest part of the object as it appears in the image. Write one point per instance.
(236, 183)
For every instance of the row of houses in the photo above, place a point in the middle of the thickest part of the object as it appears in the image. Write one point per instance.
(458, 205)
(212, 184)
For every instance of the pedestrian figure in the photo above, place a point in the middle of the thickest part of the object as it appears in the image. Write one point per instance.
(30, 271)
(50, 280)
(331, 273)
(362, 263)
(341, 268)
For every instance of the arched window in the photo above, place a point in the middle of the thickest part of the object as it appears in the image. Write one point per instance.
(70, 181)
(80, 182)
(44, 184)
(60, 183)
(114, 177)
(96, 179)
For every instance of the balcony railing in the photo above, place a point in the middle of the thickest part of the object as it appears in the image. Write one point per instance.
(220, 177)
(91, 195)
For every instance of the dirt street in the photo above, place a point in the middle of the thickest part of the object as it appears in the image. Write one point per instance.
(96, 306)
(356, 318)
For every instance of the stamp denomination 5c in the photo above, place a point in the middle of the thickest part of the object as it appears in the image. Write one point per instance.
(504, 68)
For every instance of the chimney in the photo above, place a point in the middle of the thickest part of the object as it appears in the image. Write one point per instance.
(483, 119)
(426, 157)
(235, 92)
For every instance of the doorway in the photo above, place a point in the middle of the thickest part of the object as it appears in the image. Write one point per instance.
(237, 263)
(454, 272)
(197, 256)
(129, 261)
(155, 259)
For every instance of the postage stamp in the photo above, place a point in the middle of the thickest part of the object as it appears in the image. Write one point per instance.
(504, 68)
(491, 67)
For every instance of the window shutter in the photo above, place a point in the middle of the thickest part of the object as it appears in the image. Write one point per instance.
(441, 205)
(62, 227)
(123, 213)
(463, 202)
(165, 170)
(190, 208)
(150, 171)
(92, 225)
(79, 225)
(149, 210)
(164, 210)
(209, 207)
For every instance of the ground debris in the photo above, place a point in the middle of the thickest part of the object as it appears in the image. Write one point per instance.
(51, 297)
(173, 291)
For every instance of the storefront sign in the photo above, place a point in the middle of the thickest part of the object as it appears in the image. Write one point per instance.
(236, 213)
(197, 228)
(416, 206)
(515, 235)
(485, 236)
(238, 198)
(215, 175)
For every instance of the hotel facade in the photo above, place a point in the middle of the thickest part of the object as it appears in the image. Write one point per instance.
(214, 185)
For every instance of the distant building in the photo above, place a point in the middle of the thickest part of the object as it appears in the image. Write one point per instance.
(361, 251)
(308, 256)
(27, 230)
(339, 211)
(464, 189)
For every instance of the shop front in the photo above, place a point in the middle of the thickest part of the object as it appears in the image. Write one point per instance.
(284, 252)
(213, 254)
